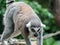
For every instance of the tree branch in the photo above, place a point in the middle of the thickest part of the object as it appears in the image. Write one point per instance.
(51, 35)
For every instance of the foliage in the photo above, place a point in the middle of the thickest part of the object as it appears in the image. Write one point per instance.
(49, 41)
(2, 10)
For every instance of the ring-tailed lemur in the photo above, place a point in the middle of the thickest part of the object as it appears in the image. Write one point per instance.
(20, 18)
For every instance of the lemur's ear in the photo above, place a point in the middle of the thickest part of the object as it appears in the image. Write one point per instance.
(28, 24)
(43, 25)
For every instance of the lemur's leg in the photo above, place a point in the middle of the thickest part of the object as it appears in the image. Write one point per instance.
(8, 23)
(8, 30)
(26, 37)
(27, 40)
(16, 33)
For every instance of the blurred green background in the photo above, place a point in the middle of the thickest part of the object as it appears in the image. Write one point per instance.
(47, 17)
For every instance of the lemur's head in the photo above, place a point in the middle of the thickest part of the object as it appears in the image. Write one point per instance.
(34, 26)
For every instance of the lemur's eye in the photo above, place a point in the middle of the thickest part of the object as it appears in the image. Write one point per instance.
(33, 30)
(38, 30)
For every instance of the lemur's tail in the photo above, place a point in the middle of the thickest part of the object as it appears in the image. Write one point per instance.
(8, 2)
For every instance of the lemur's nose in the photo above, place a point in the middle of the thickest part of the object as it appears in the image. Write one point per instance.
(35, 34)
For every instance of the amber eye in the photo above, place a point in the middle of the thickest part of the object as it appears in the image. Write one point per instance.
(33, 30)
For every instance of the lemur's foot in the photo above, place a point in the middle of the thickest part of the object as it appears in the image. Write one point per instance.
(5, 42)
(12, 41)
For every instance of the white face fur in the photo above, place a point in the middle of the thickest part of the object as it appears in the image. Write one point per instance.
(34, 30)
